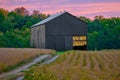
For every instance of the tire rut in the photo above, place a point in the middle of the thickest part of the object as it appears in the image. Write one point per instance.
(21, 68)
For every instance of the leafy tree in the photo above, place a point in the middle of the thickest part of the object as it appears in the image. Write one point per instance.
(2, 16)
(107, 33)
(22, 11)
(83, 18)
(99, 17)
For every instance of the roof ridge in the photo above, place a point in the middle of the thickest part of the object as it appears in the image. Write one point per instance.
(49, 18)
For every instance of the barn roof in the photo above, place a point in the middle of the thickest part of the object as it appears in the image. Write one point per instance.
(49, 18)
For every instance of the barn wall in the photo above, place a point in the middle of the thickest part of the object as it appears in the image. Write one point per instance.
(50, 42)
(32, 38)
(38, 36)
(59, 32)
(66, 25)
(68, 43)
(60, 43)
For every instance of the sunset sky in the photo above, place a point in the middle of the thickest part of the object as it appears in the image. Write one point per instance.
(88, 8)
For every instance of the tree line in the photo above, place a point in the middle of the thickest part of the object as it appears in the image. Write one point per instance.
(103, 33)
(15, 26)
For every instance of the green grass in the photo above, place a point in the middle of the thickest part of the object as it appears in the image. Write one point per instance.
(60, 52)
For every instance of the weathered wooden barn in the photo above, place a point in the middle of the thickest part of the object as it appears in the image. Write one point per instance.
(61, 31)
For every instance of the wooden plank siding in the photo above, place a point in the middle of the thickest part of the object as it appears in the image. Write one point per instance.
(55, 33)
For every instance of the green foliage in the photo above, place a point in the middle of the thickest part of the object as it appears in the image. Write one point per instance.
(15, 27)
(62, 52)
(83, 18)
(2, 17)
(104, 33)
(2, 67)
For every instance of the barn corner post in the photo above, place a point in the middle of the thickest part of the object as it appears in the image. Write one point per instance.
(87, 48)
(31, 38)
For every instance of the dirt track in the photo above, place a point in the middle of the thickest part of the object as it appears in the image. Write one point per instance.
(19, 69)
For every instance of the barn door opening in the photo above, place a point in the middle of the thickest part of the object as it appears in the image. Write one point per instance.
(79, 43)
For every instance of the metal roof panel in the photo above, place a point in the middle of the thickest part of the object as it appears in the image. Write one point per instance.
(49, 18)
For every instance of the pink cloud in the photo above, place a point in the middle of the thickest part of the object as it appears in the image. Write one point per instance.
(54, 6)
(85, 9)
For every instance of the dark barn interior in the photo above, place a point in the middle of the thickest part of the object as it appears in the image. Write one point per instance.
(61, 31)
(80, 47)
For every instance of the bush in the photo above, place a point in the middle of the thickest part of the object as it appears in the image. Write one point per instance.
(2, 67)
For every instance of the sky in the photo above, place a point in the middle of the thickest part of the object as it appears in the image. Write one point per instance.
(88, 8)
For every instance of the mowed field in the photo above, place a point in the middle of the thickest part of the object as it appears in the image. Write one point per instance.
(80, 65)
(12, 56)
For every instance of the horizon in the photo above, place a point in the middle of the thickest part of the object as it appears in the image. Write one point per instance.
(89, 9)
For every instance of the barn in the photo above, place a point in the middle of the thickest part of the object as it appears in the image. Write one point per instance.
(61, 31)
